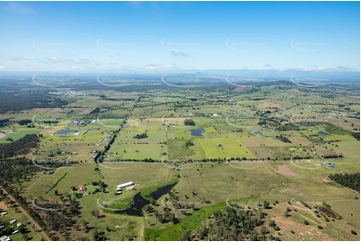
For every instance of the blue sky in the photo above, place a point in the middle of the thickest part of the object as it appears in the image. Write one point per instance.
(151, 36)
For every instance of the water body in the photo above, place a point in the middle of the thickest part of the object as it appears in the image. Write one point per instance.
(197, 132)
(139, 201)
(322, 133)
(66, 131)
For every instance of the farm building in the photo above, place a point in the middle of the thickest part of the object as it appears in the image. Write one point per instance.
(5, 238)
(81, 188)
(256, 131)
(124, 185)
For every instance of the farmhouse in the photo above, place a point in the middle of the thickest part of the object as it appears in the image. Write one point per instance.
(81, 188)
(256, 132)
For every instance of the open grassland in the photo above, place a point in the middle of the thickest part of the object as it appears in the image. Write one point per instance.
(223, 148)
(19, 134)
(350, 149)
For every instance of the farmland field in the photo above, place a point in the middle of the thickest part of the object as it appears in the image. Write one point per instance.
(218, 149)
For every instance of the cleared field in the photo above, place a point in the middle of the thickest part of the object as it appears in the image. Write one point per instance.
(223, 148)
(351, 149)
(19, 134)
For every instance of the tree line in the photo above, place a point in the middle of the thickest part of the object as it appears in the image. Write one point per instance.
(348, 180)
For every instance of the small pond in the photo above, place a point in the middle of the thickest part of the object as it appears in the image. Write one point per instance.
(197, 132)
(322, 133)
(66, 131)
(139, 201)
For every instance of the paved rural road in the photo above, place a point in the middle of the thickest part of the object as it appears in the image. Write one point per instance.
(27, 215)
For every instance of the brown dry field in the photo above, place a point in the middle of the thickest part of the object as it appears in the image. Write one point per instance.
(284, 170)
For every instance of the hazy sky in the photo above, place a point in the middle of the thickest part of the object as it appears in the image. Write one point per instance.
(149, 36)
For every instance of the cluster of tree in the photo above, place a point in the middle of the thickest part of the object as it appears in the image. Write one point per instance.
(19, 147)
(230, 224)
(283, 138)
(5, 122)
(95, 111)
(166, 217)
(348, 180)
(141, 136)
(189, 122)
(356, 136)
(189, 143)
(17, 101)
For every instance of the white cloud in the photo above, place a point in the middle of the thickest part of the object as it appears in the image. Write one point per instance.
(2, 67)
(11, 57)
(16, 7)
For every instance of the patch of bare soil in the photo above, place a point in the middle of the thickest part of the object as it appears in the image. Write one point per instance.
(284, 170)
